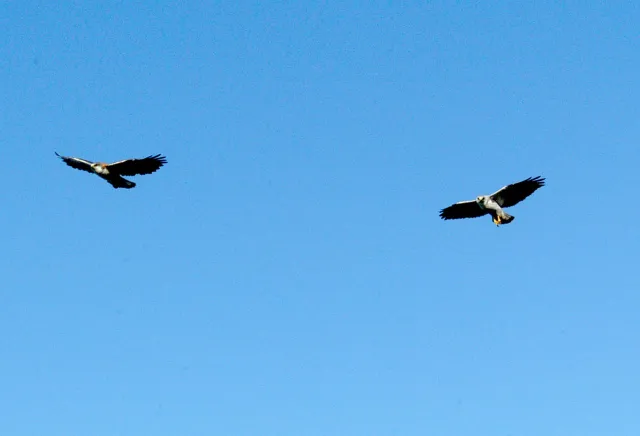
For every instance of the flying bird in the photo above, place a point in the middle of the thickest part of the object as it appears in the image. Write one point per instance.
(492, 204)
(113, 172)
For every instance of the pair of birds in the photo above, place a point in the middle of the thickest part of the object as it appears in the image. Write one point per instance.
(493, 204)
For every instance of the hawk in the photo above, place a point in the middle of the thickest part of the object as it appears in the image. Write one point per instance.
(113, 172)
(492, 204)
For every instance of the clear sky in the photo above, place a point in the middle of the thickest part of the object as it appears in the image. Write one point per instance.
(286, 273)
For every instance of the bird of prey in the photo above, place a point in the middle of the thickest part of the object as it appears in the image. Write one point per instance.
(492, 204)
(113, 172)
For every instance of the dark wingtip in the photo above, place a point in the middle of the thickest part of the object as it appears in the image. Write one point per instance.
(159, 158)
(539, 180)
(57, 154)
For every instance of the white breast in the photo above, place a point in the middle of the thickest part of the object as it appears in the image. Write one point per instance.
(100, 169)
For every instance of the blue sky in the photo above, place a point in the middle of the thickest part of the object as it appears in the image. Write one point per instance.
(286, 273)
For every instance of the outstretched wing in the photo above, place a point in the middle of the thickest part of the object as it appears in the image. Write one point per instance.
(133, 167)
(77, 163)
(464, 209)
(516, 192)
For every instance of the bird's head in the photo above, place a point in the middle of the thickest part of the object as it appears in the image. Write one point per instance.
(480, 199)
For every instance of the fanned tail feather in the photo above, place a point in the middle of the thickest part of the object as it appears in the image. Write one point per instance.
(121, 182)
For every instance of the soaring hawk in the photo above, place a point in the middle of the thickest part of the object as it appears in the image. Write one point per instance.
(113, 172)
(492, 204)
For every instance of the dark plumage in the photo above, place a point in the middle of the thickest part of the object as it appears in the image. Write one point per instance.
(113, 172)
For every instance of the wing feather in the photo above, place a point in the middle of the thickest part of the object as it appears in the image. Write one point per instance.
(463, 209)
(77, 163)
(513, 194)
(134, 167)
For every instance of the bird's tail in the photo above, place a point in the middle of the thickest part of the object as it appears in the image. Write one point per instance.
(502, 218)
(121, 182)
(505, 218)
